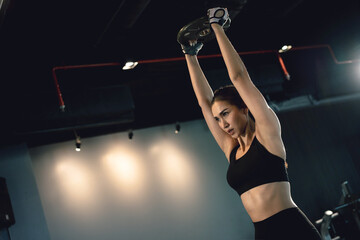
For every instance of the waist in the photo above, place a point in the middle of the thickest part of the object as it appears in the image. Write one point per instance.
(277, 215)
(266, 200)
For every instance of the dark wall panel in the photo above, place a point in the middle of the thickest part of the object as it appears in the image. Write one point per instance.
(6, 212)
(322, 146)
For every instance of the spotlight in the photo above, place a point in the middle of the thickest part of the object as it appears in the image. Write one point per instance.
(130, 65)
(78, 146)
(177, 128)
(77, 142)
(131, 134)
(285, 48)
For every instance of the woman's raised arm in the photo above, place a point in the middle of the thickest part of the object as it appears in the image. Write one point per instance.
(265, 118)
(204, 95)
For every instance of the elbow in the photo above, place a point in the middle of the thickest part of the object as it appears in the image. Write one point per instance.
(242, 81)
(239, 76)
(235, 78)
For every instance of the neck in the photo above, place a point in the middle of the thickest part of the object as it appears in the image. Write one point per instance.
(246, 138)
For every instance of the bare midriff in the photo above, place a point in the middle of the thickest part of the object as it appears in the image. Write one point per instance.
(266, 200)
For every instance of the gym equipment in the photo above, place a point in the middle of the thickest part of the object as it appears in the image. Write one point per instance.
(198, 30)
(325, 225)
(348, 225)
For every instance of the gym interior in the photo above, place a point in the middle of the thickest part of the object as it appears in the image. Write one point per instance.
(102, 136)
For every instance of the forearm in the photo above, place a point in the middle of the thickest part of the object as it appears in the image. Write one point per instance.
(202, 89)
(235, 66)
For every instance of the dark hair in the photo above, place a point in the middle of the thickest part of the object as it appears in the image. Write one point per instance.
(229, 94)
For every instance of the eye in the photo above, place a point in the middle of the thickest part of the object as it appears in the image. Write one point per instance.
(216, 119)
(225, 113)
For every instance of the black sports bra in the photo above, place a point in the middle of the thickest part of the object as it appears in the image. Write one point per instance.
(258, 166)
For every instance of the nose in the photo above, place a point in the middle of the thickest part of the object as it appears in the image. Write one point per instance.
(225, 124)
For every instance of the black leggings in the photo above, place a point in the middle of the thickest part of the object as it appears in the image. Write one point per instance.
(289, 224)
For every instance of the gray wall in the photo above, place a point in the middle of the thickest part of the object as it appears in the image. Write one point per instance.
(157, 186)
(15, 166)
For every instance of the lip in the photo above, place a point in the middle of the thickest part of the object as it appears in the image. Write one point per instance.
(231, 131)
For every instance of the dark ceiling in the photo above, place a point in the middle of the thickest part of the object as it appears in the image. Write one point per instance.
(38, 37)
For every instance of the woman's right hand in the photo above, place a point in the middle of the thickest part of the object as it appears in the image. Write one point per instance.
(193, 48)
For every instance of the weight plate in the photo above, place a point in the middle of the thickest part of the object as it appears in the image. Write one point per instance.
(199, 30)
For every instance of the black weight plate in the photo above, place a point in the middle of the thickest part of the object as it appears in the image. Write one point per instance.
(199, 30)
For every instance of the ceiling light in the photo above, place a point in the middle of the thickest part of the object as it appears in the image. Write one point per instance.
(130, 65)
(285, 48)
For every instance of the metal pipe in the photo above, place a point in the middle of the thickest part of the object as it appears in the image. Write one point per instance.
(61, 101)
(287, 75)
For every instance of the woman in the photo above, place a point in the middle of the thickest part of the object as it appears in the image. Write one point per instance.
(254, 148)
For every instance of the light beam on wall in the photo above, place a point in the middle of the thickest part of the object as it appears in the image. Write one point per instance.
(76, 183)
(175, 170)
(125, 170)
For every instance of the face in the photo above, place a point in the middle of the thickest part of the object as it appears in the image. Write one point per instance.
(230, 118)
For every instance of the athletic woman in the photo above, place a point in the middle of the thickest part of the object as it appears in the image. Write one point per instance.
(254, 147)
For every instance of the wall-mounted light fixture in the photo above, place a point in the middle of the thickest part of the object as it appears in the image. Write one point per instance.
(77, 142)
(130, 134)
(177, 128)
